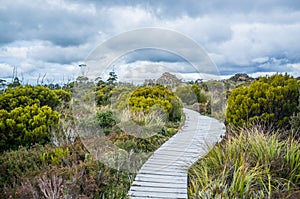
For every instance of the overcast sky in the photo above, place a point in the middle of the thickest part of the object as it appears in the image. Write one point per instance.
(51, 37)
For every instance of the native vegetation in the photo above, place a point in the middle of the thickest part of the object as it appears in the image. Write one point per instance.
(41, 153)
(270, 100)
(42, 156)
(259, 157)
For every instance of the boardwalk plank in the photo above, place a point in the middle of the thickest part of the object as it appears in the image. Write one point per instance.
(164, 175)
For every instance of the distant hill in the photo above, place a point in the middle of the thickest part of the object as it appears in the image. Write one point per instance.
(167, 79)
(241, 77)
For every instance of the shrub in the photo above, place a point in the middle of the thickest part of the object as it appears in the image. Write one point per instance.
(106, 119)
(26, 125)
(25, 173)
(15, 165)
(186, 94)
(270, 100)
(143, 99)
(103, 95)
(176, 110)
(23, 96)
(190, 94)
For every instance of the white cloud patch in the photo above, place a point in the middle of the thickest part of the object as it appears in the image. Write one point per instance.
(260, 59)
(6, 70)
(32, 60)
(295, 69)
(137, 72)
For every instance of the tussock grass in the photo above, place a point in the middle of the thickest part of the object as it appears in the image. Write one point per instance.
(248, 164)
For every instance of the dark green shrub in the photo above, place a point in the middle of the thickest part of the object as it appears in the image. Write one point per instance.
(201, 98)
(103, 94)
(14, 165)
(106, 119)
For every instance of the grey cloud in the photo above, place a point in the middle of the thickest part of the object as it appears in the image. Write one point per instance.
(269, 65)
(194, 8)
(138, 71)
(30, 21)
(154, 38)
(50, 53)
(233, 32)
(153, 55)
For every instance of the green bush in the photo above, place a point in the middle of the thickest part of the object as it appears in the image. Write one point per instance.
(106, 119)
(186, 94)
(270, 100)
(15, 165)
(175, 113)
(103, 94)
(26, 115)
(26, 125)
(143, 99)
(28, 95)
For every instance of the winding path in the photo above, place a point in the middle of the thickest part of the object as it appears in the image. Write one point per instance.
(164, 175)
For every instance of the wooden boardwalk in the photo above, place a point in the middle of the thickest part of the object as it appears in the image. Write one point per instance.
(164, 175)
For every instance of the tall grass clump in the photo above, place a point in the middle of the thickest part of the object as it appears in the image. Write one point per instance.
(248, 164)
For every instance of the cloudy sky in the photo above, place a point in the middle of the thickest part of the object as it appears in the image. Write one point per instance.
(52, 37)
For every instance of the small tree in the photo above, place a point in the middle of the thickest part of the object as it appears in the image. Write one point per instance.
(2, 84)
(112, 79)
(16, 82)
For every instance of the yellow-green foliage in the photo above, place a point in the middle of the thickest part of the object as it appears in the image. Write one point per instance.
(26, 115)
(27, 95)
(270, 100)
(251, 164)
(103, 94)
(143, 99)
(146, 97)
(26, 125)
(55, 156)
